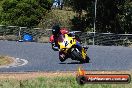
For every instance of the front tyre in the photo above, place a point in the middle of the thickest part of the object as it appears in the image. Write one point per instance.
(62, 57)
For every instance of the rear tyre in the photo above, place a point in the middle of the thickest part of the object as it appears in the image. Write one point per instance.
(87, 60)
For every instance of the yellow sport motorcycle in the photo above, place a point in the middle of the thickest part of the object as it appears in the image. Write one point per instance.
(70, 48)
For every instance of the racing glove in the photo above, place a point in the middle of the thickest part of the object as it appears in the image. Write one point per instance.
(55, 47)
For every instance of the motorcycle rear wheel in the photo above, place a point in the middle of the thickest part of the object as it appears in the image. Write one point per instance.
(87, 60)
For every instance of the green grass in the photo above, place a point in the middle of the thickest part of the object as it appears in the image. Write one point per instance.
(55, 82)
(1, 1)
(57, 16)
(5, 60)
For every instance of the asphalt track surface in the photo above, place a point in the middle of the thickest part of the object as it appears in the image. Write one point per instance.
(41, 57)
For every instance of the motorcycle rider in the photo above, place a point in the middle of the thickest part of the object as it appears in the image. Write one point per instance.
(56, 32)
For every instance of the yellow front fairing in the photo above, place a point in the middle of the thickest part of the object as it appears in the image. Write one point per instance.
(67, 42)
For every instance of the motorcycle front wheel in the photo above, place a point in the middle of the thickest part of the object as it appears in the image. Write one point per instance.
(77, 55)
(62, 57)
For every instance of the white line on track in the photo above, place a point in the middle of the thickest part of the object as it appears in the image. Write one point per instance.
(17, 62)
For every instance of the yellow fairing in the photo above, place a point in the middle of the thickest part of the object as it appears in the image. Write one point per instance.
(67, 43)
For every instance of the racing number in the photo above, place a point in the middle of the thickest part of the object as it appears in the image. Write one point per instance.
(66, 43)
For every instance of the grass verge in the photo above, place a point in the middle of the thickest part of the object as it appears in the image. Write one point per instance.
(5, 60)
(55, 80)
(62, 17)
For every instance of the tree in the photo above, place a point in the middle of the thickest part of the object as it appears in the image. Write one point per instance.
(23, 12)
(112, 15)
(85, 13)
(125, 16)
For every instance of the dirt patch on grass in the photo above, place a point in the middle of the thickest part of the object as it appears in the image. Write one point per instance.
(130, 46)
(43, 39)
(5, 60)
(30, 75)
(9, 37)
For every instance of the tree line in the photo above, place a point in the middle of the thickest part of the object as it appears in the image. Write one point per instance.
(112, 15)
(23, 12)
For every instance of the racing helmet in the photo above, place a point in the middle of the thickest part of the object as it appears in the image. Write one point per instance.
(56, 30)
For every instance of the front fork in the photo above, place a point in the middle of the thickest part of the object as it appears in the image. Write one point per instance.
(84, 53)
(82, 50)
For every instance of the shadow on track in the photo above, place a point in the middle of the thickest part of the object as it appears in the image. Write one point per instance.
(72, 63)
(77, 62)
